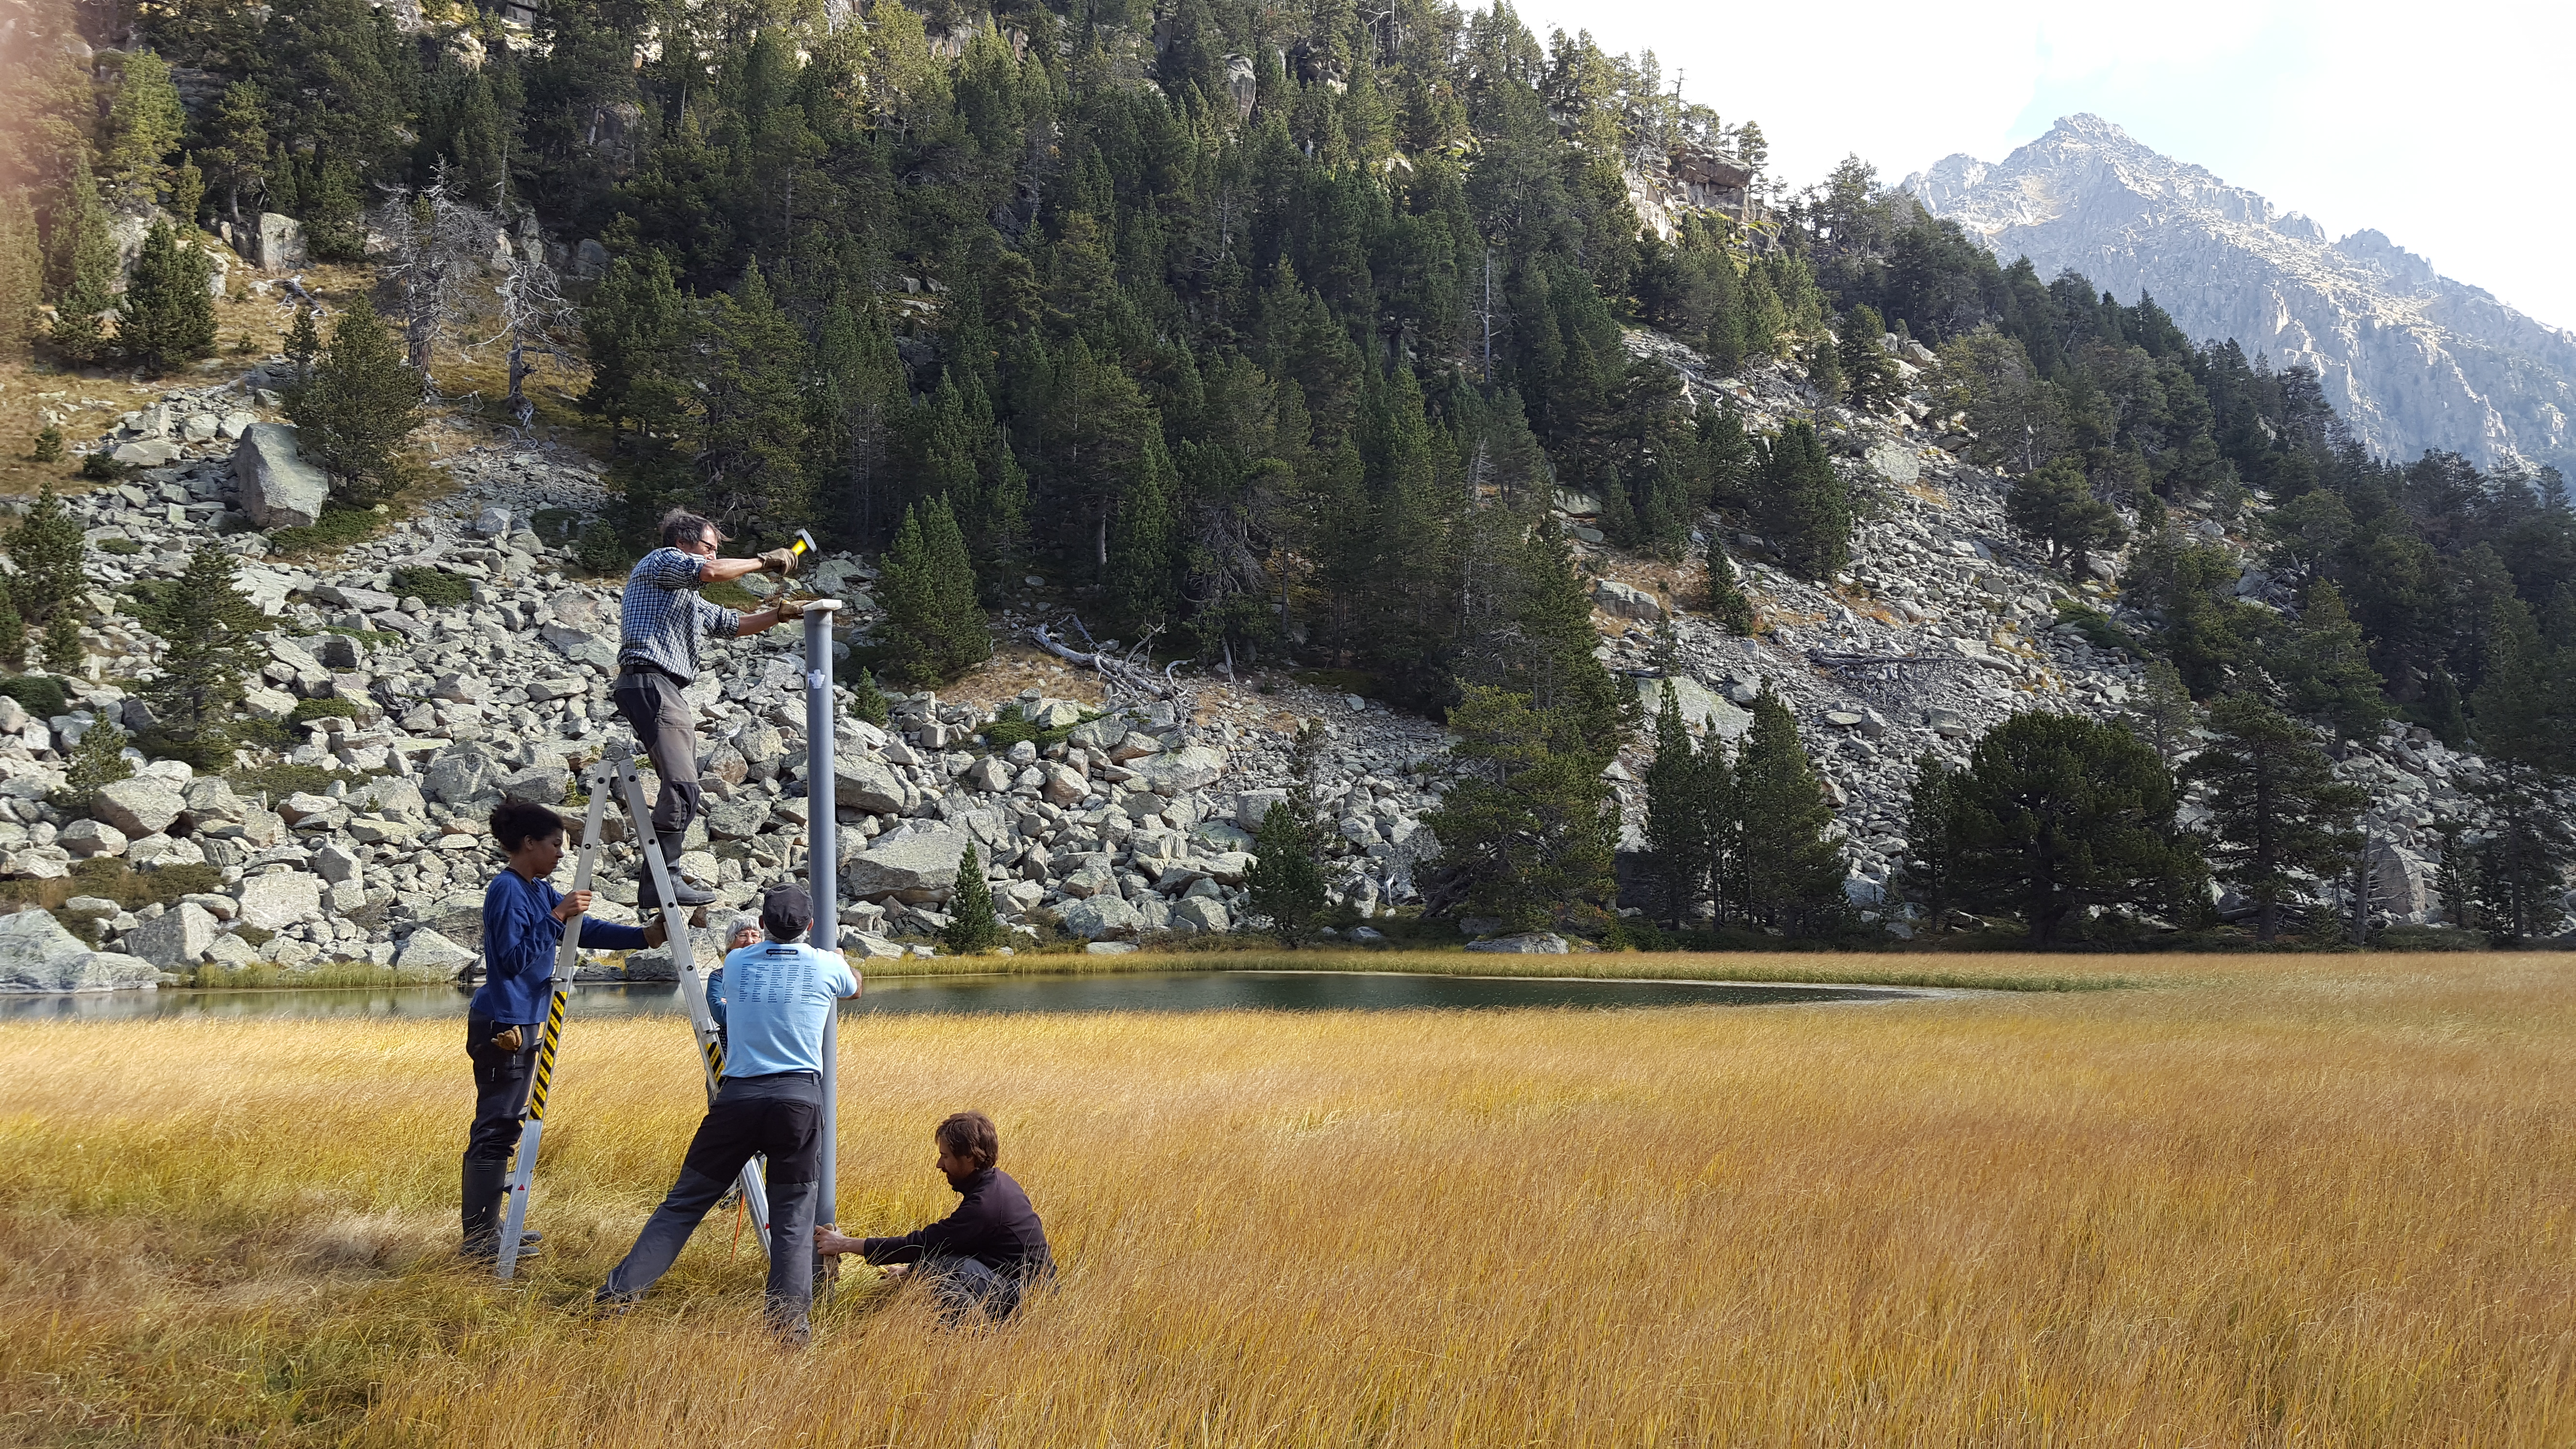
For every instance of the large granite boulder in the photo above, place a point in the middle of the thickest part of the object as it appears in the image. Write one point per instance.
(1101, 915)
(462, 773)
(143, 805)
(277, 488)
(1528, 943)
(911, 865)
(1177, 772)
(177, 938)
(859, 783)
(279, 899)
(278, 244)
(427, 952)
(37, 954)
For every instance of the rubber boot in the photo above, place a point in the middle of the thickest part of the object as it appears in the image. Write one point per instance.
(687, 894)
(484, 1184)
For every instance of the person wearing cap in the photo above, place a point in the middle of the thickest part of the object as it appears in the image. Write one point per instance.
(661, 620)
(779, 995)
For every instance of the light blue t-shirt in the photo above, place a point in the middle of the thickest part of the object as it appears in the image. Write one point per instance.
(773, 999)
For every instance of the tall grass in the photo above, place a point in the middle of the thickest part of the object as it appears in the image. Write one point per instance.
(2002, 971)
(2311, 1200)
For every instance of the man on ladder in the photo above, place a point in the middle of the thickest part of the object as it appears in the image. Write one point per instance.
(661, 619)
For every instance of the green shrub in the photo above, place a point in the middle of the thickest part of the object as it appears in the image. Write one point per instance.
(432, 585)
(557, 526)
(134, 889)
(280, 780)
(121, 547)
(100, 468)
(326, 707)
(339, 527)
(49, 444)
(42, 694)
(600, 550)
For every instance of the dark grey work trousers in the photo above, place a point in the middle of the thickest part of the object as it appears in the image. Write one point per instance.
(668, 731)
(780, 1116)
(500, 1094)
(970, 1288)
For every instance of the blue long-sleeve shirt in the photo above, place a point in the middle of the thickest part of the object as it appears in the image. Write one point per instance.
(520, 937)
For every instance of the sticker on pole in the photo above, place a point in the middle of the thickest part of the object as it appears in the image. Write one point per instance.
(813, 679)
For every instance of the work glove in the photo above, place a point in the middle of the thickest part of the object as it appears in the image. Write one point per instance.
(656, 931)
(790, 608)
(509, 1042)
(779, 561)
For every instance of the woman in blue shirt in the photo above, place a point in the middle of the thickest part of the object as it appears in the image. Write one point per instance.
(523, 924)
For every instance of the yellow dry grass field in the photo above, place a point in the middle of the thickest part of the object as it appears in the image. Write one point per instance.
(2283, 1201)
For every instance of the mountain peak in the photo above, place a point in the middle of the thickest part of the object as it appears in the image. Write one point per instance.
(2410, 358)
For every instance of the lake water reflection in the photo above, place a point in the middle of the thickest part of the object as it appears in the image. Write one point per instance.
(991, 995)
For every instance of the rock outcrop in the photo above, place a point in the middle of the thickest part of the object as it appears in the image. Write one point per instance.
(2410, 359)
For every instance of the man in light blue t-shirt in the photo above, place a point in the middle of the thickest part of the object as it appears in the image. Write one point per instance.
(777, 997)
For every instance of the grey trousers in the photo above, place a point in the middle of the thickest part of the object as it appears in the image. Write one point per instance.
(779, 1115)
(667, 729)
(969, 1288)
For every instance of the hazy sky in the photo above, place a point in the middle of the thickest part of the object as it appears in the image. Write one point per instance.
(2445, 126)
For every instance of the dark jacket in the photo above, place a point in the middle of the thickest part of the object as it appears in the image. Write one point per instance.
(994, 1225)
(520, 934)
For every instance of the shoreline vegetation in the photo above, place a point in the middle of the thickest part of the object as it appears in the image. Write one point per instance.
(2016, 971)
(2311, 1198)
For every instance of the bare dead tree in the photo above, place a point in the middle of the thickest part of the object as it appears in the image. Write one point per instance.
(438, 244)
(535, 318)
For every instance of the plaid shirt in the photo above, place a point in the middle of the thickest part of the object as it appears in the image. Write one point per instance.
(662, 618)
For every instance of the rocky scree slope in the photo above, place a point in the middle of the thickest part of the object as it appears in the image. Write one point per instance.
(1135, 820)
(2411, 359)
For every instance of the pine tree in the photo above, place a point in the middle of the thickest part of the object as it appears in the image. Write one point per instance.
(187, 192)
(1286, 882)
(1142, 541)
(637, 325)
(1684, 793)
(1800, 505)
(2056, 506)
(2526, 725)
(867, 702)
(1726, 597)
(2056, 814)
(22, 274)
(965, 631)
(2276, 808)
(64, 652)
(303, 343)
(1528, 830)
(97, 758)
(935, 629)
(361, 405)
(49, 549)
(1869, 374)
(334, 211)
(751, 431)
(85, 263)
(1825, 371)
(13, 633)
(210, 637)
(167, 318)
(2324, 668)
(2164, 715)
(1931, 831)
(143, 125)
(1792, 871)
(48, 448)
(972, 927)
(235, 155)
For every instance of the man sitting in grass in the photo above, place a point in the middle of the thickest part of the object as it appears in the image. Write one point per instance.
(979, 1259)
(523, 925)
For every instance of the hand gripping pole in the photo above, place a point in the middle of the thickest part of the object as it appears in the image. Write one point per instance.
(693, 984)
(523, 1170)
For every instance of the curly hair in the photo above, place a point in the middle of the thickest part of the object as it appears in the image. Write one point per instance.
(516, 822)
